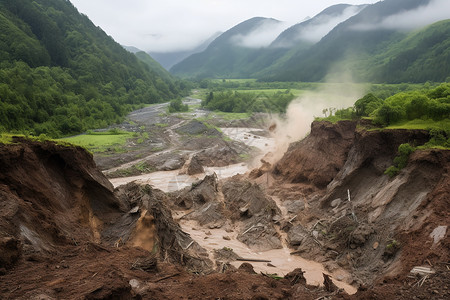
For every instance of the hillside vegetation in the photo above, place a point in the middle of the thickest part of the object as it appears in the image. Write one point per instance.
(363, 45)
(61, 75)
(427, 108)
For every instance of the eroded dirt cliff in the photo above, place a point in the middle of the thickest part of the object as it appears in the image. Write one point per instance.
(65, 234)
(356, 217)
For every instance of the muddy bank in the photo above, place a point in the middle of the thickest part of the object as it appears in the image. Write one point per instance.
(65, 234)
(353, 216)
(57, 207)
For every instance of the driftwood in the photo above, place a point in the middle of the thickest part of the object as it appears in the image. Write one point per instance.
(166, 277)
(252, 259)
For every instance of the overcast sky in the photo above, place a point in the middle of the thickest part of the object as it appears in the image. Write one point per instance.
(164, 25)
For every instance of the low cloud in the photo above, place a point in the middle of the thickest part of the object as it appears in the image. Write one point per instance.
(435, 11)
(262, 36)
(322, 25)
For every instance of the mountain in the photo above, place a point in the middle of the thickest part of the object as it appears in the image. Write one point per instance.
(369, 45)
(227, 54)
(251, 61)
(423, 55)
(302, 36)
(312, 30)
(60, 74)
(132, 49)
(169, 59)
(389, 41)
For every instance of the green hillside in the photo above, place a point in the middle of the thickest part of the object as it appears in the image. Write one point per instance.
(363, 47)
(423, 55)
(224, 57)
(60, 74)
(374, 54)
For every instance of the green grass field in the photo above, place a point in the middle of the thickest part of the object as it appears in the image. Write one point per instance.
(422, 124)
(270, 92)
(101, 141)
(230, 116)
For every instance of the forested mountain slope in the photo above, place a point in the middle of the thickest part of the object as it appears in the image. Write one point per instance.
(372, 47)
(231, 54)
(390, 41)
(60, 74)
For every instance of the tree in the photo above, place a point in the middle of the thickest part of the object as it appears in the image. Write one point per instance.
(365, 106)
(177, 106)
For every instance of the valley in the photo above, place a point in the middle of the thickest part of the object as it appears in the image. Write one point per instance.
(305, 214)
(306, 158)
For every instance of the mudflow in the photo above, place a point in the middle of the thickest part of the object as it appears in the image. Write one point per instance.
(323, 222)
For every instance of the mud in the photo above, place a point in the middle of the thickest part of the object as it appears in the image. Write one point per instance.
(172, 140)
(357, 218)
(65, 234)
(325, 208)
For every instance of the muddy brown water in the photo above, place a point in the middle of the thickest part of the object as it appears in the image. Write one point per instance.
(281, 259)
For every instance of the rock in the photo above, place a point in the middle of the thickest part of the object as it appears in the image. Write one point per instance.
(438, 234)
(361, 234)
(336, 202)
(296, 235)
(134, 210)
(315, 234)
(247, 267)
(172, 164)
(226, 237)
(10, 250)
(194, 167)
(225, 254)
(294, 206)
(375, 245)
(296, 276)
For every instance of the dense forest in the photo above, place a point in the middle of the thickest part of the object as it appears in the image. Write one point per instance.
(61, 75)
(247, 102)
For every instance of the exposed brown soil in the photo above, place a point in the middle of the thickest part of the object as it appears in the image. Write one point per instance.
(383, 232)
(172, 139)
(66, 234)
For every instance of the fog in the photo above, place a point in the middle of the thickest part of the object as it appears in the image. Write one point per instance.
(322, 25)
(175, 25)
(262, 36)
(435, 11)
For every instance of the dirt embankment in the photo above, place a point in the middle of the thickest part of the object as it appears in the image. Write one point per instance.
(356, 217)
(65, 234)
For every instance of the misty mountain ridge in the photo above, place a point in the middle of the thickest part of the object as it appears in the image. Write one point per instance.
(232, 49)
(269, 39)
(313, 29)
(169, 59)
(341, 38)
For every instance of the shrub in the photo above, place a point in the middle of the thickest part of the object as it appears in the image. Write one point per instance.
(400, 161)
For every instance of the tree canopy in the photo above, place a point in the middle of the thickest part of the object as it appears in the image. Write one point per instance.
(61, 75)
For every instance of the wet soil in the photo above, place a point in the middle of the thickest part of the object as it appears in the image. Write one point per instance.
(172, 139)
(65, 233)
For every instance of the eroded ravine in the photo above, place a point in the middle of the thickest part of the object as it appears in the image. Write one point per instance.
(281, 261)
